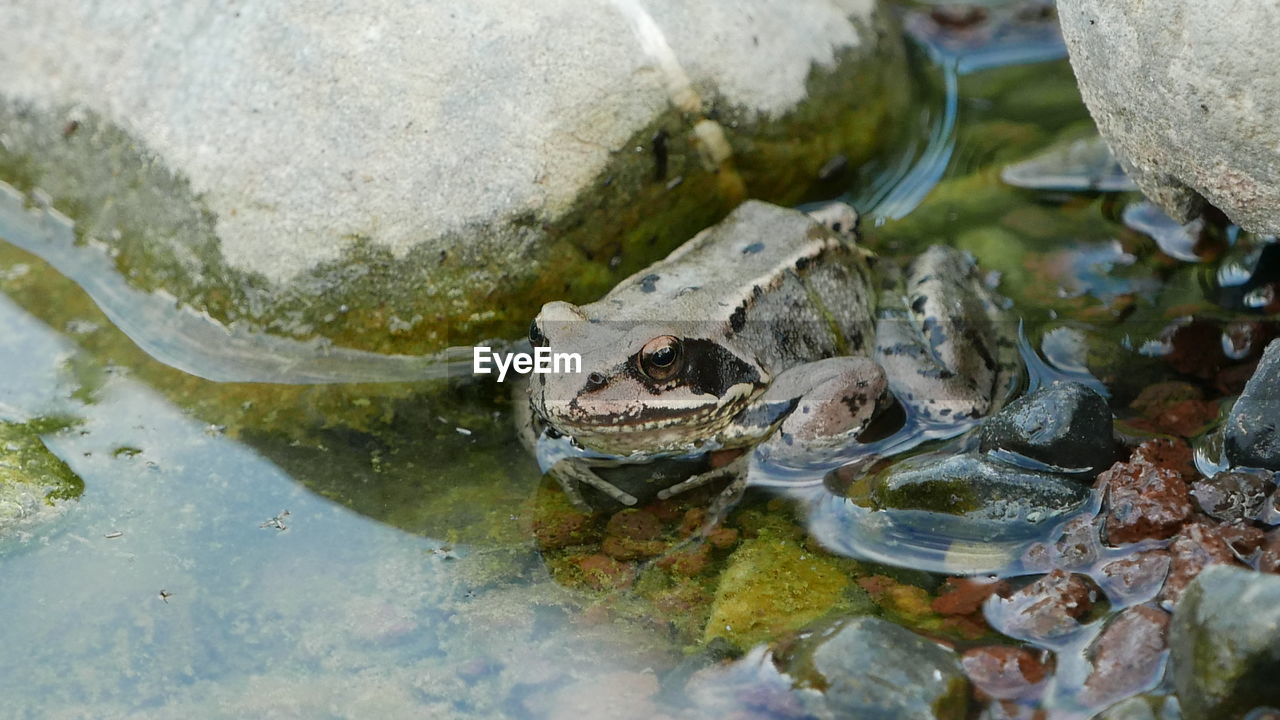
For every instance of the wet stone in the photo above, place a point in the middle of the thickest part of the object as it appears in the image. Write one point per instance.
(1175, 455)
(1144, 501)
(1045, 610)
(1252, 433)
(872, 669)
(1225, 644)
(1233, 495)
(1268, 560)
(1245, 539)
(1063, 424)
(1004, 672)
(1127, 656)
(1136, 578)
(965, 596)
(1198, 546)
(1078, 547)
(984, 491)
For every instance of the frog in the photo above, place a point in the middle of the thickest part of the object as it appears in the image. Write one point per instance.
(772, 330)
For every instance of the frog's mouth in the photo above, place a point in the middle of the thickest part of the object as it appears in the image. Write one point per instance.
(634, 426)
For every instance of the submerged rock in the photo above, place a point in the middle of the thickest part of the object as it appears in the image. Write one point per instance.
(1147, 500)
(1046, 610)
(1252, 434)
(1064, 424)
(872, 669)
(1233, 495)
(402, 177)
(979, 490)
(1186, 97)
(774, 585)
(33, 481)
(1225, 644)
(1127, 656)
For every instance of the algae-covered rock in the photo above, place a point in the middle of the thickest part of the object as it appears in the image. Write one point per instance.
(872, 669)
(33, 481)
(980, 490)
(1225, 643)
(403, 177)
(774, 585)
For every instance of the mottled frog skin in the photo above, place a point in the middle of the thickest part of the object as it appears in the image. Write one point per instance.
(771, 327)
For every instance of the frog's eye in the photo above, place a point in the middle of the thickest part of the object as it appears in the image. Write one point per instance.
(660, 358)
(536, 338)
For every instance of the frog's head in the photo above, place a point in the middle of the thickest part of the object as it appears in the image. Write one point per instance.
(643, 386)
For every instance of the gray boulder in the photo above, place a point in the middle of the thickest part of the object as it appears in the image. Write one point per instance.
(872, 669)
(400, 177)
(1187, 95)
(1251, 437)
(1225, 643)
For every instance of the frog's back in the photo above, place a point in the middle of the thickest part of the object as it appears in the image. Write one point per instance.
(770, 278)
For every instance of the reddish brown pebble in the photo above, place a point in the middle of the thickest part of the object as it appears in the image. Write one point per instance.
(1127, 655)
(1144, 501)
(1136, 577)
(1243, 538)
(623, 549)
(687, 562)
(964, 596)
(693, 520)
(1269, 558)
(634, 525)
(723, 538)
(603, 572)
(1047, 608)
(1197, 546)
(563, 529)
(1169, 453)
(1004, 672)
(966, 626)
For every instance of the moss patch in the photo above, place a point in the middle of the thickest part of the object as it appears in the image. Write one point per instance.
(32, 480)
(774, 585)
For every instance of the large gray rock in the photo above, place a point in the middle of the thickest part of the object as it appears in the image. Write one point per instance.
(1225, 643)
(1187, 95)
(872, 669)
(400, 176)
(1251, 437)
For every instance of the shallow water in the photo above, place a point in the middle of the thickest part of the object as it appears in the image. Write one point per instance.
(371, 550)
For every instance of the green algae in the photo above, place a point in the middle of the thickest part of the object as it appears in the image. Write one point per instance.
(774, 585)
(33, 481)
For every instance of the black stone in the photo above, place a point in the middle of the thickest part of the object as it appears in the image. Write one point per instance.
(1063, 424)
(1251, 437)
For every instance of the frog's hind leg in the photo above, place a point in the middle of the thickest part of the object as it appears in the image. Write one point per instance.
(941, 339)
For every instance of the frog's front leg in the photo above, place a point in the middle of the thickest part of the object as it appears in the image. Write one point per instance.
(822, 403)
(826, 402)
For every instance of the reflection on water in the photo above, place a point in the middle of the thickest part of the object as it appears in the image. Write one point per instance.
(168, 590)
